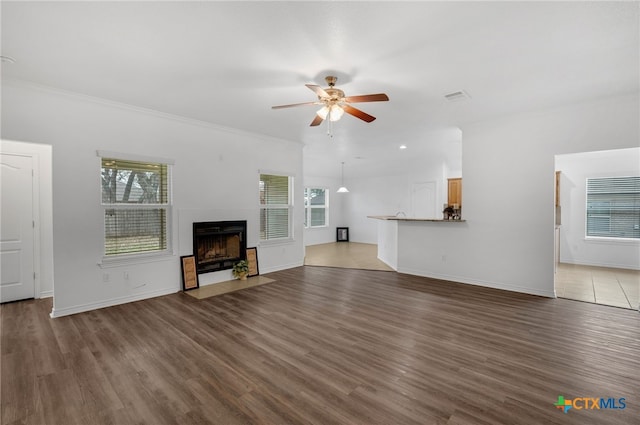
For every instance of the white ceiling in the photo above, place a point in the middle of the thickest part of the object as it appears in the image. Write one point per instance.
(228, 62)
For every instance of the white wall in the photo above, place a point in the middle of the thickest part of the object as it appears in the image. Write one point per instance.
(390, 194)
(508, 239)
(384, 185)
(320, 235)
(575, 170)
(388, 242)
(215, 177)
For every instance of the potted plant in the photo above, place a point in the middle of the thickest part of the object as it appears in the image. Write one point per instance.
(241, 269)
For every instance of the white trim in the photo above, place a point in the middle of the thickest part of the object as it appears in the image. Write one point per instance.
(133, 157)
(41, 160)
(275, 242)
(325, 206)
(135, 257)
(35, 164)
(111, 302)
(126, 260)
(46, 294)
(602, 239)
(390, 265)
(486, 284)
(275, 173)
(611, 241)
(281, 267)
(120, 206)
(603, 264)
(16, 82)
(289, 207)
(35, 215)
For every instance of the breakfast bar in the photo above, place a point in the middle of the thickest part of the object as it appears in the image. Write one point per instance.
(388, 242)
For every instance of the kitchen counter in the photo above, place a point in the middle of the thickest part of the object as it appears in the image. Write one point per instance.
(390, 240)
(393, 217)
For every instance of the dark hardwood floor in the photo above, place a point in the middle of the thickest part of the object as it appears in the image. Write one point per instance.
(322, 346)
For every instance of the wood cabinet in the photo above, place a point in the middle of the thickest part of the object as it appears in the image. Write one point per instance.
(455, 192)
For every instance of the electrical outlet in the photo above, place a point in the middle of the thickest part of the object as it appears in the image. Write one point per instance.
(125, 275)
(106, 278)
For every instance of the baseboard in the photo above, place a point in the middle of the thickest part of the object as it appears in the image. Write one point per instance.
(46, 294)
(59, 312)
(390, 265)
(600, 264)
(281, 267)
(486, 284)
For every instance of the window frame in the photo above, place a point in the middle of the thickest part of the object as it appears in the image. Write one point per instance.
(138, 256)
(634, 196)
(289, 206)
(308, 207)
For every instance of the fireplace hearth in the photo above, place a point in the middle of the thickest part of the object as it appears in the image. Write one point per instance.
(217, 245)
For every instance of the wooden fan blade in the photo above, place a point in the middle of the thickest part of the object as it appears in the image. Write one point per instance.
(379, 97)
(317, 120)
(318, 90)
(358, 113)
(295, 104)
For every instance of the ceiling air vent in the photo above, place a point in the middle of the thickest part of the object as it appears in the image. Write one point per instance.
(457, 96)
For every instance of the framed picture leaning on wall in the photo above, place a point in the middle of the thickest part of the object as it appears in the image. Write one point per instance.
(189, 274)
(252, 259)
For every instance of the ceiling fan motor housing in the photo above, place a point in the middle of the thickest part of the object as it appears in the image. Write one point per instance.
(335, 95)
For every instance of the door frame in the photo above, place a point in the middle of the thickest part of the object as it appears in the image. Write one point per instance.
(41, 160)
(35, 216)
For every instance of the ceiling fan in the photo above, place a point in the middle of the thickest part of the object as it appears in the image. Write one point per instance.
(335, 103)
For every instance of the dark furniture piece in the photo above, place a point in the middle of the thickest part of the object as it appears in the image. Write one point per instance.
(342, 234)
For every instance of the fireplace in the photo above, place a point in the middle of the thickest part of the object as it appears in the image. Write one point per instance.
(217, 245)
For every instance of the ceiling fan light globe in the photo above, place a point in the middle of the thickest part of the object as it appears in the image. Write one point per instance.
(323, 112)
(336, 113)
(343, 189)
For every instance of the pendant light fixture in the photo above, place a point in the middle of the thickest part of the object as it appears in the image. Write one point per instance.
(342, 188)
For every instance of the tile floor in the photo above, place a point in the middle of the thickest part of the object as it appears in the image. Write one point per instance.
(599, 285)
(349, 255)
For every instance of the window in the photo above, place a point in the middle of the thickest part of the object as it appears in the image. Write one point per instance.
(613, 207)
(136, 202)
(316, 207)
(275, 206)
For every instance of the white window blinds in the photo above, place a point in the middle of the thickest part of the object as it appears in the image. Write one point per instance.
(275, 206)
(136, 202)
(613, 207)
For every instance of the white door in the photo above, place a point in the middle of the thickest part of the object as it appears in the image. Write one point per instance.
(423, 200)
(16, 228)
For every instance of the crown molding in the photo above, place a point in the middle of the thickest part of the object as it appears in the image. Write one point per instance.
(15, 82)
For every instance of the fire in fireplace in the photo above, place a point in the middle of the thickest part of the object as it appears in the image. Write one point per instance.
(217, 245)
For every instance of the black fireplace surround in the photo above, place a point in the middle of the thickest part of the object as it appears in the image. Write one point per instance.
(217, 245)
